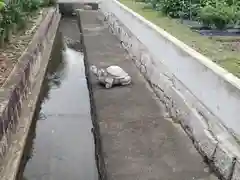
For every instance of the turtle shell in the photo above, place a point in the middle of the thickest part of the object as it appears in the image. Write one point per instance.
(116, 71)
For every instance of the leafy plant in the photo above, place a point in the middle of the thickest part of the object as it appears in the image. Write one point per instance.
(50, 2)
(171, 7)
(30, 5)
(217, 13)
(14, 11)
(206, 15)
(21, 20)
(177, 8)
(152, 3)
(35, 4)
(219, 16)
(2, 37)
(236, 17)
(1, 31)
(2, 5)
(6, 17)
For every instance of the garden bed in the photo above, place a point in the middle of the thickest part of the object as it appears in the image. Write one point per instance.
(10, 54)
(223, 50)
(18, 22)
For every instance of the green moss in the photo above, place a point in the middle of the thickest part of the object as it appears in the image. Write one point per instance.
(215, 48)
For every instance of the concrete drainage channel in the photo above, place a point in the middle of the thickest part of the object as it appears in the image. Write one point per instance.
(61, 147)
(68, 10)
(60, 144)
(224, 168)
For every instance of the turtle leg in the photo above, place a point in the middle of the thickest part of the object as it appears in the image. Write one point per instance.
(109, 82)
(126, 81)
(108, 85)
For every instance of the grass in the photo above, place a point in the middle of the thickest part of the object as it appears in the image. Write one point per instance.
(225, 51)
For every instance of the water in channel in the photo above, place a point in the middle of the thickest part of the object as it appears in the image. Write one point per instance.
(61, 144)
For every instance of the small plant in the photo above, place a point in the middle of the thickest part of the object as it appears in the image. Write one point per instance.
(21, 20)
(2, 37)
(52, 2)
(14, 11)
(2, 4)
(219, 16)
(49, 2)
(35, 5)
(236, 19)
(178, 8)
(212, 13)
(30, 5)
(206, 15)
(7, 22)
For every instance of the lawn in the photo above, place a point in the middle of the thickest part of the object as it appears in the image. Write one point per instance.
(225, 51)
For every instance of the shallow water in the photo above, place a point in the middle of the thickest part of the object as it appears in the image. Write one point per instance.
(61, 145)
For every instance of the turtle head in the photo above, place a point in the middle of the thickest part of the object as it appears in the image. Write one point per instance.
(94, 70)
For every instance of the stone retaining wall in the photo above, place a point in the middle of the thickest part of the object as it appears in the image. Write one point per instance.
(198, 94)
(17, 91)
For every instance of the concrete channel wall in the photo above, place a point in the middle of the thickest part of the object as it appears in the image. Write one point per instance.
(20, 92)
(201, 96)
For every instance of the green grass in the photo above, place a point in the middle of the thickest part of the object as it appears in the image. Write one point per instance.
(216, 48)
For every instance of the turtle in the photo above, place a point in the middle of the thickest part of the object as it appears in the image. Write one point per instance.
(112, 75)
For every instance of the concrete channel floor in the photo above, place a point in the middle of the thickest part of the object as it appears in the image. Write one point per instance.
(63, 148)
(138, 143)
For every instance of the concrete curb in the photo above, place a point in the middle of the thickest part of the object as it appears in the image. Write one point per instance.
(210, 137)
(96, 131)
(20, 95)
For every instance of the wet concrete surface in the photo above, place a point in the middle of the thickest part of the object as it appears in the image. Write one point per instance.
(60, 145)
(138, 142)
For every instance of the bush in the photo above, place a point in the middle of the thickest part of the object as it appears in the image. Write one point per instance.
(49, 2)
(236, 17)
(6, 17)
(174, 8)
(152, 3)
(13, 15)
(219, 16)
(212, 13)
(30, 5)
(2, 5)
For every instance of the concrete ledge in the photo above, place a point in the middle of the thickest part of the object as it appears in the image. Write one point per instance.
(137, 141)
(201, 96)
(20, 92)
(100, 162)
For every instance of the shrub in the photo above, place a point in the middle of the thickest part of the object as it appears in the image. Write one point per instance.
(218, 13)
(30, 5)
(2, 5)
(13, 15)
(173, 8)
(219, 16)
(236, 17)
(177, 8)
(6, 17)
(49, 2)
(152, 3)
